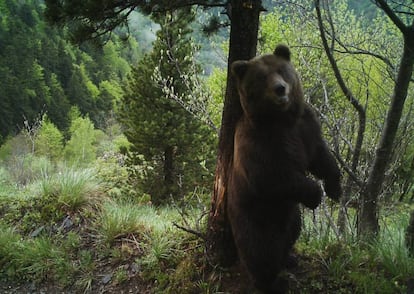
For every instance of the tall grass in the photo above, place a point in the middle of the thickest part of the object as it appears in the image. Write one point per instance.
(117, 220)
(150, 229)
(120, 219)
(390, 250)
(32, 259)
(73, 188)
(384, 265)
(24, 169)
(317, 231)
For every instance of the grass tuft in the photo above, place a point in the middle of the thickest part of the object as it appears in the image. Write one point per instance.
(32, 259)
(73, 188)
(118, 220)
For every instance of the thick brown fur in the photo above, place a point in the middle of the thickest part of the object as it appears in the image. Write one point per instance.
(277, 142)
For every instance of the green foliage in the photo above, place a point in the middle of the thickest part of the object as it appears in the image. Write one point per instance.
(173, 143)
(47, 200)
(81, 149)
(390, 247)
(81, 90)
(405, 172)
(72, 188)
(120, 276)
(216, 83)
(110, 92)
(26, 168)
(108, 236)
(49, 141)
(163, 245)
(120, 220)
(38, 210)
(115, 177)
(382, 266)
(33, 259)
(87, 266)
(40, 72)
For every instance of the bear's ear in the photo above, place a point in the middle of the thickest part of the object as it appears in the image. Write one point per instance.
(282, 51)
(239, 68)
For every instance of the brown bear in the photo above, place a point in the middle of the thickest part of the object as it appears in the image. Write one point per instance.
(277, 142)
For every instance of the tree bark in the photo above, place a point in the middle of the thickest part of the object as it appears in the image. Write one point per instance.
(409, 234)
(244, 16)
(168, 172)
(368, 215)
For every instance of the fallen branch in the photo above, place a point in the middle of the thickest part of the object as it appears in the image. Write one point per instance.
(191, 231)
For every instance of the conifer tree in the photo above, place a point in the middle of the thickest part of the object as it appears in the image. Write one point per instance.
(170, 139)
(91, 20)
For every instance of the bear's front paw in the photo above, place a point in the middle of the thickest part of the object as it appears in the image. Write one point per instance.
(313, 198)
(333, 190)
(291, 261)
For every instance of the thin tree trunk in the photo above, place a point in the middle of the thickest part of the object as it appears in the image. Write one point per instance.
(409, 234)
(244, 16)
(346, 197)
(342, 217)
(368, 215)
(168, 172)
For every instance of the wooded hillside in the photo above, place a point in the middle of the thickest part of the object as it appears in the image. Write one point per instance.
(117, 121)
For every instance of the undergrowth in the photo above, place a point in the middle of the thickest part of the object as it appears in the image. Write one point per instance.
(346, 265)
(61, 227)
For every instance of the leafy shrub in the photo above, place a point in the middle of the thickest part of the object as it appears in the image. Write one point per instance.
(15, 146)
(81, 149)
(25, 169)
(49, 141)
(113, 172)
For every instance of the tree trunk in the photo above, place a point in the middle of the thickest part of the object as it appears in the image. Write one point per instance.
(368, 216)
(244, 16)
(342, 217)
(168, 172)
(350, 183)
(409, 234)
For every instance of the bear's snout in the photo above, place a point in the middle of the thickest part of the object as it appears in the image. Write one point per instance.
(280, 92)
(280, 89)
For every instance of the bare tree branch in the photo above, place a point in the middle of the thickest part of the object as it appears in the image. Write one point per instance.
(347, 92)
(348, 170)
(191, 231)
(391, 14)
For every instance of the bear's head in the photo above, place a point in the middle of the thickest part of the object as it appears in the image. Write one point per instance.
(269, 87)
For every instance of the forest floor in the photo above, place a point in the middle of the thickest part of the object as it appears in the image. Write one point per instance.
(232, 282)
(94, 242)
(309, 274)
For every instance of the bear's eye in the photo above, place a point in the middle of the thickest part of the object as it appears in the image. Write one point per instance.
(285, 73)
(261, 75)
(282, 70)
